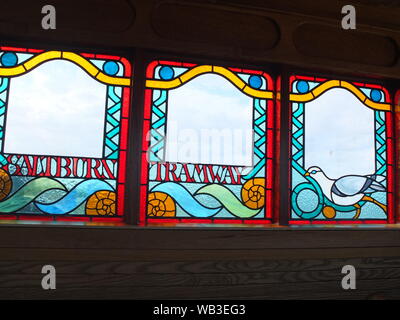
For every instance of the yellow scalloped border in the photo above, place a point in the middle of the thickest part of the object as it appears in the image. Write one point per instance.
(317, 91)
(226, 73)
(82, 62)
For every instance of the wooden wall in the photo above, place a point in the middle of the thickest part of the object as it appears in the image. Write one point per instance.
(193, 263)
(208, 261)
(304, 33)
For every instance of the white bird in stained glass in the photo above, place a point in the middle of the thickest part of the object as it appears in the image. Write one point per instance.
(349, 189)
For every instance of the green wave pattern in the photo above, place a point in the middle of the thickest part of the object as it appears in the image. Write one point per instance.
(228, 200)
(28, 193)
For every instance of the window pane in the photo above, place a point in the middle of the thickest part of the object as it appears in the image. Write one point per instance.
(341, 150)
(213, 135)
(64, 117)
(63, 130)
(330, 144)
(208, 141)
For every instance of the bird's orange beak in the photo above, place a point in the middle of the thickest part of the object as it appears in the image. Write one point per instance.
(306, 174)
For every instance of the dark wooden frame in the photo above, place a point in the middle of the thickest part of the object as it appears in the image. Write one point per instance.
(125, 261)
(130, 262)
(289, 261)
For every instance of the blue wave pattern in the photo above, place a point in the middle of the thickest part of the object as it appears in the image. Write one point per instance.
(75, 197)
(28, 193)
(185, 200)
(191, 205)
(71, 199)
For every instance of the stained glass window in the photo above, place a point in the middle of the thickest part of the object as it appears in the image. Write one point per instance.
(341, 152)
(63, 134)
(207, 151)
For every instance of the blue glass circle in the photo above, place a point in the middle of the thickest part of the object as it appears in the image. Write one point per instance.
(302, 86)
(307, 200)
(111, 68)
(9, 59)
(376, 95)
(166, 73)
(255, 82)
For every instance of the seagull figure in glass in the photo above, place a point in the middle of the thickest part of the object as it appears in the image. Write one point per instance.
(348, 190)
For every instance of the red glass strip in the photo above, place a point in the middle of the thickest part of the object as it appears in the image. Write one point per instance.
(120, 199)
(144, 171)
(127, 67)
(122, 166)
(124, 134)
(147, 104)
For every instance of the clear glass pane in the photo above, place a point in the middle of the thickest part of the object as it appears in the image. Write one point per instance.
(339, 134)
(209, 121)
(56, 109)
